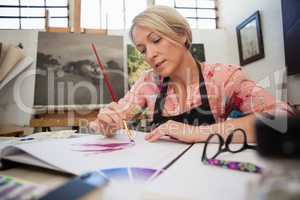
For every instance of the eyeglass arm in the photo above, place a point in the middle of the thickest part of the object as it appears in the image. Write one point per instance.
(234, 165)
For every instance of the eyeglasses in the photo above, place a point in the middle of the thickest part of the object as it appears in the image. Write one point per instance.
(214, 146)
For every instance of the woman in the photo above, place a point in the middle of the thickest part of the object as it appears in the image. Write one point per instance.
(184, 99)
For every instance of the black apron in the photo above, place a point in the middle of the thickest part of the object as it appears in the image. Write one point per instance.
(197, 116)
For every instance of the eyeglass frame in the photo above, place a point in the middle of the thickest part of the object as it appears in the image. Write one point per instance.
(227, 142)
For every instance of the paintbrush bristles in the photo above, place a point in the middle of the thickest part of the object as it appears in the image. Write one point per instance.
(128, 132)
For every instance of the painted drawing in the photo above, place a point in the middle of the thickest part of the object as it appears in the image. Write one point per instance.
(67, 71)
(101, 147)
(249, 40)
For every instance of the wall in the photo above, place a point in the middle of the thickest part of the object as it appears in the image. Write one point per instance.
(269, 71)
(215, 44)
(10, 111)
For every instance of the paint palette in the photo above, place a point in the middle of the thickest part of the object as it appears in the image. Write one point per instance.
(127, 182)
(132, 175)
(12, 188)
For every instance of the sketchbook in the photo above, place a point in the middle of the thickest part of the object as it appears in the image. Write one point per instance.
(91, 152)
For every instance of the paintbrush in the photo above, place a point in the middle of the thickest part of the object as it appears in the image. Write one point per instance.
(111, 92)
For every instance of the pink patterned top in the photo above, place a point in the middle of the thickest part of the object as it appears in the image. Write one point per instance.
(227, 87)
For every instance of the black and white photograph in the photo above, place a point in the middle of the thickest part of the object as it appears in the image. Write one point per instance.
(67, 71)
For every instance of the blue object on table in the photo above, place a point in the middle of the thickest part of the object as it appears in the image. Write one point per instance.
(77, 187)
(234, 114)
(26, 139)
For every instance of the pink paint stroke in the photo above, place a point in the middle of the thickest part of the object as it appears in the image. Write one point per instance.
(102, 148)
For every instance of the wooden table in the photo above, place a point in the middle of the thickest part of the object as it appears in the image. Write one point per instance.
(188, 178)
(14, 131)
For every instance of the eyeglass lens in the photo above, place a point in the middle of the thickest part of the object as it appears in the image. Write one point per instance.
(213, 146)
(236, 141)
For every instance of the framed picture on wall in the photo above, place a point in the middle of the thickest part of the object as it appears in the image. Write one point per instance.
(197, 51)
(250, 39)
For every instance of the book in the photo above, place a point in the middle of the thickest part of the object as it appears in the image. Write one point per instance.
(14, 72)
(12, 57)
(86, 153)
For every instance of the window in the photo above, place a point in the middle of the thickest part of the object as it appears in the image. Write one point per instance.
(133, 8)
(90, 15)
(31, 14)
(201, 14)
(108, 14)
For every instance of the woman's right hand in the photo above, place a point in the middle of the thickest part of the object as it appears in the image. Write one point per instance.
(102, 127)
(108, 121)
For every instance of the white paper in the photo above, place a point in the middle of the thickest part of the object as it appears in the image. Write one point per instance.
(190, 179)
(61, 153)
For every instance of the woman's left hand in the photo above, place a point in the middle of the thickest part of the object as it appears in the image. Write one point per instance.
(179, 131)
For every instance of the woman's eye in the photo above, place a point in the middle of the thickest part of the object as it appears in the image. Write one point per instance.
(156, 40)
(143, 51)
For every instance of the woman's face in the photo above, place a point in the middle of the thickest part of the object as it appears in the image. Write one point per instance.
(164, 55)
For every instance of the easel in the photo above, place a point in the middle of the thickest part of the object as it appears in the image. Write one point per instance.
(46, 117)
(15, 131)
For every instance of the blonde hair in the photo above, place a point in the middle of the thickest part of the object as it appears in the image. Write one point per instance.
(165, 20)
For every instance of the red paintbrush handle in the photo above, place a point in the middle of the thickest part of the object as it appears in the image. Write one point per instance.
(105, 76)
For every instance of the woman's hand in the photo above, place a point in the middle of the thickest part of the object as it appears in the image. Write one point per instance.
(108, 121)
(103, 127)
(179, 131)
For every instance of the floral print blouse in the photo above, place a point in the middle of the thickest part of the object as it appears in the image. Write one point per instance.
(228, 89)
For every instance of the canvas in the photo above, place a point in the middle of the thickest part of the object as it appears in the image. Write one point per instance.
(67, 71)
